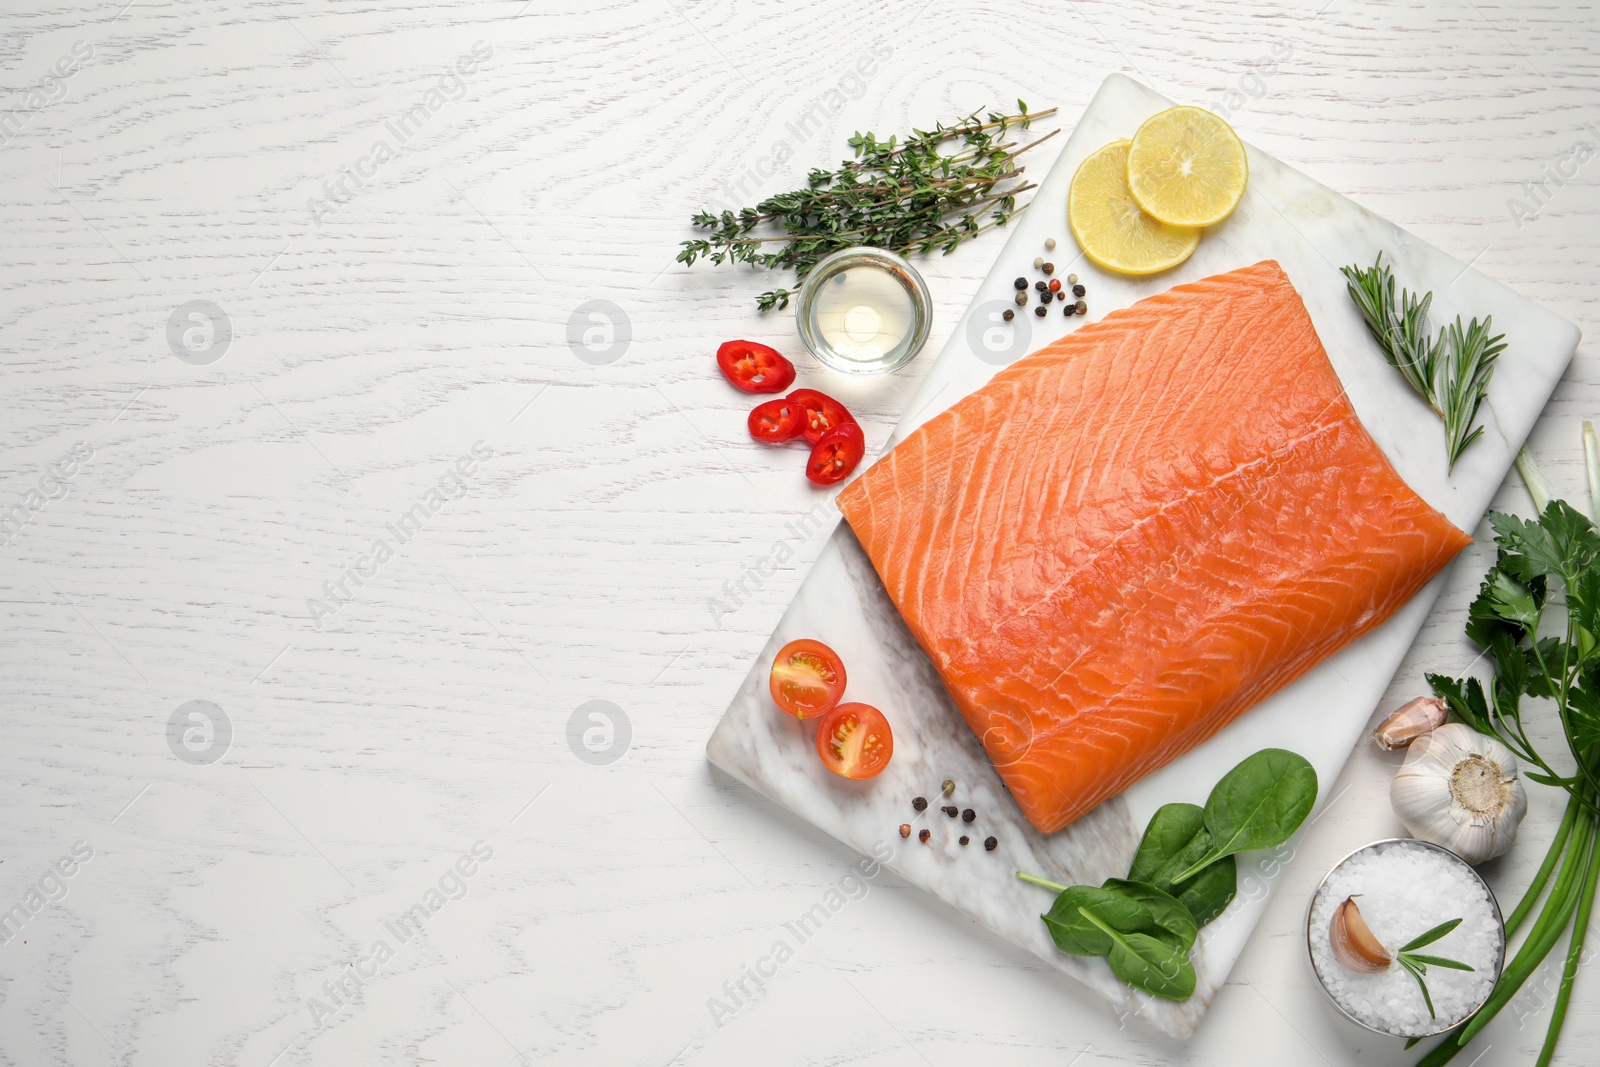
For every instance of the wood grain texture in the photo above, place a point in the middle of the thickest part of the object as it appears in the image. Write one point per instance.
(370, 352)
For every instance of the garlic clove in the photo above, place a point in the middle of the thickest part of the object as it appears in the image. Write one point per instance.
(1459, 789)
(1353, 941)
(1410, 721)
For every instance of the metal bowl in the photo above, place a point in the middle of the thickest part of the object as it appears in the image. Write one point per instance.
(1494, 903)
(896, 268)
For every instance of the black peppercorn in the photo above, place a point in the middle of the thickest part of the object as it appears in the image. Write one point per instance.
(965, 839)
(951, 810)
(1041, 311)
(968, 815)
(1049, 268)
(920, 803)
(1078, 290)
(989, 843)
(923, 835)
(1039, 286)
(1021, 283)
(1083, 307)
(1046, 296)
(1008, 314)
(1070, 310)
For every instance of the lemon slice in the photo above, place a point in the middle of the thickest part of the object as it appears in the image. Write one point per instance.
(1110, 227)
(1187, 167)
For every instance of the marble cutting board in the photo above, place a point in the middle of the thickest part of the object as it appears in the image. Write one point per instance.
(1311, 231)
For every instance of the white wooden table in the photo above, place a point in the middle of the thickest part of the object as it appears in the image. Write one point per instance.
(401, 759)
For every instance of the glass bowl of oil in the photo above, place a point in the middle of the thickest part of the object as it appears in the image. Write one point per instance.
(864, 311)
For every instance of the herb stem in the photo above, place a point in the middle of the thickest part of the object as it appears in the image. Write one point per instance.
(1034, 879)
(1545, 933)
(1569, 974)
(1542, 876)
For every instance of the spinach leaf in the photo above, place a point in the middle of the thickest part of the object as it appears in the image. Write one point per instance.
(1148, 963)
(1258, 804)
(1174, 922)
(1171, 829)
(1175, 840)
(1072, 929)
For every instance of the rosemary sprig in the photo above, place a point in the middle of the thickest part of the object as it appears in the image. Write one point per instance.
(1416, 964)
(1451, 371)
(907, 195)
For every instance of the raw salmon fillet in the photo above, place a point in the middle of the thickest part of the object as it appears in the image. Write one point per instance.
(1134, 534)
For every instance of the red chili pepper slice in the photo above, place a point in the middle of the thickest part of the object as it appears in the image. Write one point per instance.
(823, 413)
(754, 368)
(836, 454)
(777, 421)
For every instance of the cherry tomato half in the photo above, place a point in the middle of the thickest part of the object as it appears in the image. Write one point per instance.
(854, 741)
(823, 413)
(777, 421)
(807, 678)
(836, 455)
(755, 368)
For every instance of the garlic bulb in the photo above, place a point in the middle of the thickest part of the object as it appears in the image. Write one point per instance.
(1410, 721)
(1459, 788)
(1353, 941)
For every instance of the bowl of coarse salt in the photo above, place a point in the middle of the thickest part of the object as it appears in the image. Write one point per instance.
(1405, 938)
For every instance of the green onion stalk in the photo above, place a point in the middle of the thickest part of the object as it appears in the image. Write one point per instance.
(1571, 867)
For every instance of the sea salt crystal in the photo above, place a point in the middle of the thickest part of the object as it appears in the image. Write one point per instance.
(1403, 889)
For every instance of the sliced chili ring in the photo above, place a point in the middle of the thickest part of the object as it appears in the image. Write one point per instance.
(836, 454)
(754, 367)
(823, 413)
(777, 421)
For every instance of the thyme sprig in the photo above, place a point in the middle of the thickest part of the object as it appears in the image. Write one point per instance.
(1451, 371)
(909, 195)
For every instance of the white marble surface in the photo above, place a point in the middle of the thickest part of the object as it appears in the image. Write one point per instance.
(1310, 231)
(591, 558)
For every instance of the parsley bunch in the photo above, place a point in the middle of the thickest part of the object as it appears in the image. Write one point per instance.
(1537, 615)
